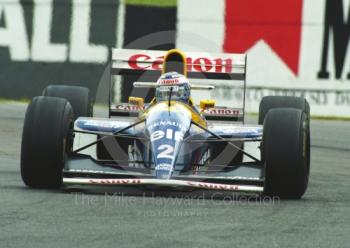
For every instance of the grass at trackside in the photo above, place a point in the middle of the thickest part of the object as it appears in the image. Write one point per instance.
(153, 3)
(6, 100)
(330, 118)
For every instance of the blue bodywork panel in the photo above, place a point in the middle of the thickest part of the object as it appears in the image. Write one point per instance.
(167, 128)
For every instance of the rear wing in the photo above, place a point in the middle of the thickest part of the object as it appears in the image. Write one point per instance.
(199, 65)
(196, 65)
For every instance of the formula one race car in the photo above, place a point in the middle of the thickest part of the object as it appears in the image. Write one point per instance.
(170, 142)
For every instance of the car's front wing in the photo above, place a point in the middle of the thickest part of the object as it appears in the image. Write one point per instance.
(162, 182)
(83, 170)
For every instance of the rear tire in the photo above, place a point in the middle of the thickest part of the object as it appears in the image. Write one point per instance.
(78, 97)
(286, 153)
(45, 141)
(271, 102)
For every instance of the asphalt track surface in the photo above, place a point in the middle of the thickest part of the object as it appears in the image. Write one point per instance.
(72, 218)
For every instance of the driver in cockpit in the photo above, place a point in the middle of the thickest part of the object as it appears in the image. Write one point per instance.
(176, 85)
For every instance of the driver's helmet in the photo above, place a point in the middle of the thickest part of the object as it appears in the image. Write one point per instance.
(174, 83)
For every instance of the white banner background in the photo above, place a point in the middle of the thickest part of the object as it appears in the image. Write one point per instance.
(267, 73)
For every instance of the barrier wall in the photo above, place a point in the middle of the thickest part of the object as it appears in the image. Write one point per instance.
(54, 42)
(295, 47)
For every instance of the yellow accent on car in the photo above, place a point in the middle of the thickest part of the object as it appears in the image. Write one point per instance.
(138, 101)
(207, 103)
(177, 106)
(168, 58)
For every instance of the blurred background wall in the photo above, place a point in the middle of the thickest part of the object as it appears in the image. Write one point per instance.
(295, 47)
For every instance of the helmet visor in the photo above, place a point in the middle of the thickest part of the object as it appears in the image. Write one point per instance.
(177, 93)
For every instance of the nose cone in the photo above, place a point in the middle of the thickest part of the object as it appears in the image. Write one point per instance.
(167, 126)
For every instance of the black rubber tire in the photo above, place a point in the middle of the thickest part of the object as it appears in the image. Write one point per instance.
(45, 141)
(78, 97)
(271, 102)
(286, 153)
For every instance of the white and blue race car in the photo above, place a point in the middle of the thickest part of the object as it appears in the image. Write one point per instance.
(168, 143)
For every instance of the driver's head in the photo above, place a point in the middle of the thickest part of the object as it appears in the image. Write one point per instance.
(175, 83)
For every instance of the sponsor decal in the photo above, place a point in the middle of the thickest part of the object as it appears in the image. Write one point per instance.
(169, 81)
(167, 88)
(166, 123)
(128, 108)
(89, 171)
(243, 178)
(241, 130)
(163, 166)
(168, 134)
(202, 64)
(212, 186)
(102, 124)
(115, 181)
(223, 112)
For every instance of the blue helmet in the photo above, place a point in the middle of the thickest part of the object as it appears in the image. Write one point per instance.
(177, 84)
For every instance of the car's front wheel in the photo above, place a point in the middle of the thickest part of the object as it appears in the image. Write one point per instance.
(45, 141)
(286, 152)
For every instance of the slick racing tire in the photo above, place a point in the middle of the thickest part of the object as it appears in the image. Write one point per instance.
(271, 102)
(45, 141)
(78, 97)
(286, 153)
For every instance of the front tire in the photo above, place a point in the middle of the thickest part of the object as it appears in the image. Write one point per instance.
(45, 141)
(286, 153)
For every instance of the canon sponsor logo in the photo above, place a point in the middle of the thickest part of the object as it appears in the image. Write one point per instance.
(128, 108)
(213, 186)
(115, 181)
(169, 81)
(202, 64)
(223, 112)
